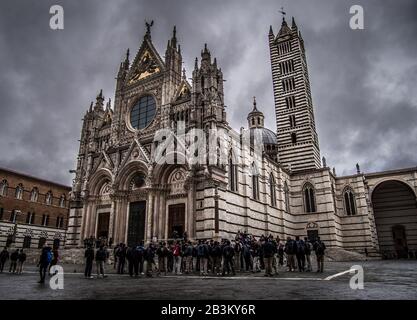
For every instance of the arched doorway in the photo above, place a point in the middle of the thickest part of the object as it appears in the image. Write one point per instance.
(395, 211)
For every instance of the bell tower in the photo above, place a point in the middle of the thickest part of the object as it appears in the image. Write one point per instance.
(298, 144)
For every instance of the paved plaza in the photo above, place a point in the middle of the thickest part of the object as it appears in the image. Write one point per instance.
(383, 280)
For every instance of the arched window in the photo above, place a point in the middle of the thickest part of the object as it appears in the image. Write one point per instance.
(13, 216)
(255, 182)
(233, 174)
(48, 198)
(60, 222)
(34, 194)
(30, 217)
(287, 197)
(349, 200)
(19, 191)
(62, 201)
(309, 198)
(45, 220)
(272, 188)
(26, 242)
(3, 188)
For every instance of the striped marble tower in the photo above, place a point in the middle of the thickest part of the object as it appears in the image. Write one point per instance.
(298, 145)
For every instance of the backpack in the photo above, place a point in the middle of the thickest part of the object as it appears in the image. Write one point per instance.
(320, 248)
(49, 256)
(201, 250)
(300, 247)
(308, 248)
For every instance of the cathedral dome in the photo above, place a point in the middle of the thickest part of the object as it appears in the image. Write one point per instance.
(268, 136)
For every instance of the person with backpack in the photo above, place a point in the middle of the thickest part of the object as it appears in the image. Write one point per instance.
(255, 256)
(319, 248)
(162, 253)
(237, 256)
(20, 261)
(268, 255)
(101, 256)
(121, 257)
(280, 254)
(300, 253)
(44, 261)
(247, 264)
(13, 261)
(54, 261)
(115, 250)
(89, 258)
(308, 249)
(140, 249)
(290, 251)
(216, 255)
(228, 254)
(4, 256)
(188, 256)
(177, 253)
(202, 253)
(129, 258)
(149, 258)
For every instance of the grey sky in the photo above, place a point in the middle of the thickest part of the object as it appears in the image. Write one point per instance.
(363, 82)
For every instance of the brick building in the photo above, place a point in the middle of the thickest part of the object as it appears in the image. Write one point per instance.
(32, 210)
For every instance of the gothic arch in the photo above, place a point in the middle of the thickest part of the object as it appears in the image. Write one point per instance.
(99, 178)
(382, 180)
(126, 174)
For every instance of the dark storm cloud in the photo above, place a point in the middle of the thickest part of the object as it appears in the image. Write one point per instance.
(363, 82)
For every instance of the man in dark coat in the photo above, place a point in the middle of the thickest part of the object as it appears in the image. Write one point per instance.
(4, 256)
(44, 261)
(228, 254)
(319, 248)
(13, 261)
(89, 258)
(121, 255)
(20, 261)
(268, 255)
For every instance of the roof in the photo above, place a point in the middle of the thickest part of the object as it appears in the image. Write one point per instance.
(268, 136)
(35, 178)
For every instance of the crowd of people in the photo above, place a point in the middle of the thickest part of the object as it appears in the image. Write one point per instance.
(245, 253)
(17, 259)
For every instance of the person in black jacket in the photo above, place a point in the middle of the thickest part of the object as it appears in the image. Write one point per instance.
(300, 253)
(228, 254)
(268, 255)
(129, 258)
(20, 261)
(290, 251)
(4, 256)
(319, 248)
(101, 256)
(121, 255)
(13, 261)
(44, 261)
(216, 254)
(89, 258)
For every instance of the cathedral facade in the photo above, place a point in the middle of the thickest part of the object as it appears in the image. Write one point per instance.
(146, 169)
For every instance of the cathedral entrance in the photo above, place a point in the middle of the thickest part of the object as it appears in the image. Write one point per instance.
(176, 220)
(103, 225)
(395, 210)
(136, 229)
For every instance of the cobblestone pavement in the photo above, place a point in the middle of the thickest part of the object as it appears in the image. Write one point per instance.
(383, 280)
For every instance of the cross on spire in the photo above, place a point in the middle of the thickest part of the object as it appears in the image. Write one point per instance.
(282, 12)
